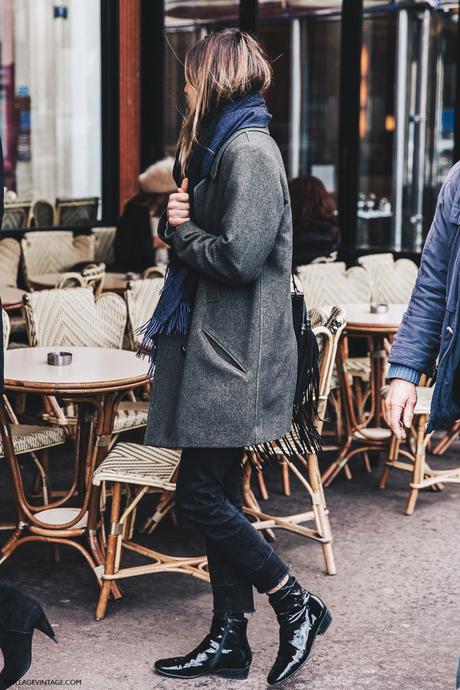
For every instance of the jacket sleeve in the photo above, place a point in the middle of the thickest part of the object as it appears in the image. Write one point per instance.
(252, 205)
(417, 342)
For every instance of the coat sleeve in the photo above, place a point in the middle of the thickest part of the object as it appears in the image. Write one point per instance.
(252, 205)
(417, 342)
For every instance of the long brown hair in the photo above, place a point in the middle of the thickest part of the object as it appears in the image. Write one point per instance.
(221, 67)
(310, 201)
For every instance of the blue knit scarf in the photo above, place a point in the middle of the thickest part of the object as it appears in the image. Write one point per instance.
(172, 313)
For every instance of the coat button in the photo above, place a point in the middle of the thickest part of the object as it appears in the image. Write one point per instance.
(183, 349)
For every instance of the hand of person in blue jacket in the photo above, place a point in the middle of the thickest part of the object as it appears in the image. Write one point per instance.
(399, 406)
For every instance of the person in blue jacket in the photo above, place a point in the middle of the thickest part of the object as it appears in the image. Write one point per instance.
(428, 339)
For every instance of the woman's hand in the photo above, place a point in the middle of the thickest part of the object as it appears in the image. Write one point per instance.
(178, 210)
(399, 406)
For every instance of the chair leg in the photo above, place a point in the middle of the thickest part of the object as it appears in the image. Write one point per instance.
(321, 516)
(285, 477)
(165, 506)
(447, 440)
(109, 566)
(392, 457)
(419, 465)
(262, 486)
(367, 463)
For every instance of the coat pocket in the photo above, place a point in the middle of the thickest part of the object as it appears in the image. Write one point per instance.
(223, 352)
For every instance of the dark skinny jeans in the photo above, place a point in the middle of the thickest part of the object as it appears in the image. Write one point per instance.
(208, 495)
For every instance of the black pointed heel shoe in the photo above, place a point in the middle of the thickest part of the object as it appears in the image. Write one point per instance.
(301, 616)
(224, 652)
(20, 615)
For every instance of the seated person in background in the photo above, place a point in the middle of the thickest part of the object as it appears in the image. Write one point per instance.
(137, 245)
(313, 220)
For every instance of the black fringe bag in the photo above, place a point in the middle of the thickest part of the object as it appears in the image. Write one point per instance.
(304, 438)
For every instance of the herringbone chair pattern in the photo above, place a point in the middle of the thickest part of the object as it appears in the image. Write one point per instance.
(141, 297)
(77, 211)
(328, 284)
(6, 329)
(73, 317)
(391, 281)
(16, 214)
(54, 251)
(10, 256)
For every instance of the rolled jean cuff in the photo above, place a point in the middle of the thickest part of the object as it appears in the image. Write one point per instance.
(269, 574)
(234, 598)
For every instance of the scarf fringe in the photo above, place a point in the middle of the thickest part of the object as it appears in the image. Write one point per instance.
(304, 438)
(177, 322)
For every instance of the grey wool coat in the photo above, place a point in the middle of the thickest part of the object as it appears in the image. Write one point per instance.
(231, 381)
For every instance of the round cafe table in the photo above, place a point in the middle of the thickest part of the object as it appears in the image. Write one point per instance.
(11, 297)
(113, 282)
(368, 435)
(96, 379)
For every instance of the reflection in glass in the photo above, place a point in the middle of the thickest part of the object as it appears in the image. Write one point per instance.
(50, 87)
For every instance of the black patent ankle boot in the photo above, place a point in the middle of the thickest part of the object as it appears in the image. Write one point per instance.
(224, 652)
(301, 616)
(20, 615)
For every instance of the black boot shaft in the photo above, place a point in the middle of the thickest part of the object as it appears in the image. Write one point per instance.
(225, 652)
(301, 616)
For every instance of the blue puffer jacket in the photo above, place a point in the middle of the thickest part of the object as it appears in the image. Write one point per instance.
(430, 327)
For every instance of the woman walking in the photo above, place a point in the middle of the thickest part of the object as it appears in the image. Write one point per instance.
(224, 348)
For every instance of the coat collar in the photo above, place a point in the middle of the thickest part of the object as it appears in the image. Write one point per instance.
(213, 171)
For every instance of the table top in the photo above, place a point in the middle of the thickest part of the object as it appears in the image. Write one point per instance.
(113, 282)
(360, 318)
(93, 369)
(11, 297)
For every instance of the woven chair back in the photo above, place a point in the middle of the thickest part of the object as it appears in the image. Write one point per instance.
(328, 284)
(74, 317)
(55, 251)
(77, 211)
(328, 328)
(16, 215)
(6, 329)
(10, 257)
(43, 213)
(391, 281)
(141, 298)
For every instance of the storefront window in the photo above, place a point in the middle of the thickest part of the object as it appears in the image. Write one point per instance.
(50, 110)
(320, 55)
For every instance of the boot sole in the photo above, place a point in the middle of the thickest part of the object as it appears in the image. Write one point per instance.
(234, 674)
(324, 624)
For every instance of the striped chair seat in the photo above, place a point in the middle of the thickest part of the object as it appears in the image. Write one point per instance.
(28, 438)
(130, 415)
(132, 463)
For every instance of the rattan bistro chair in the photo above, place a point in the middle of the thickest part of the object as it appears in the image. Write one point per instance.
(28, 438)
(304, 469)
(10, 257)
(77, 211)
(43, 213)
(92, 276)
(391, 281)
(54, 251)
(423, 476)
(76, 318)
(16, 214)
(141, 298)
(139, 469)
